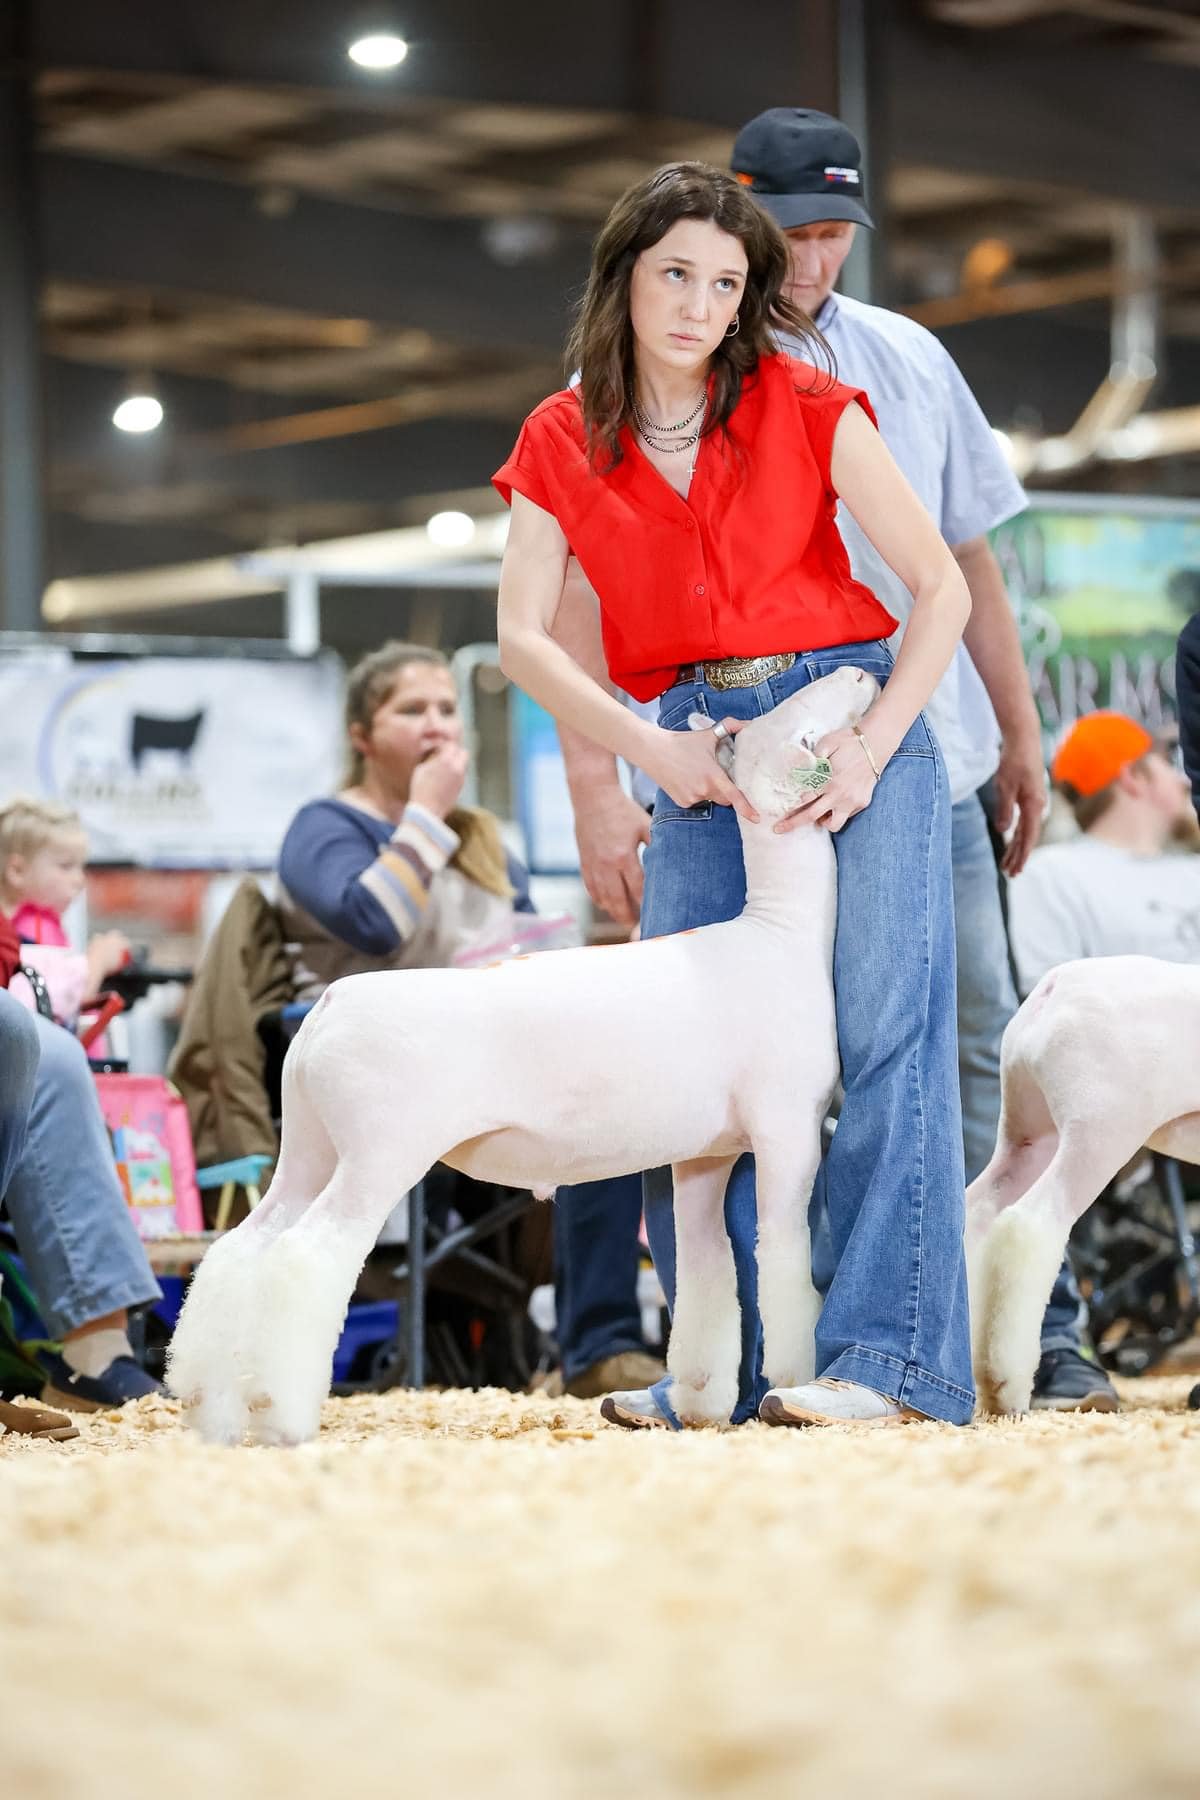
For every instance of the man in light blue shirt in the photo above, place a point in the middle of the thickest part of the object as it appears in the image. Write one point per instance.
(805, 169)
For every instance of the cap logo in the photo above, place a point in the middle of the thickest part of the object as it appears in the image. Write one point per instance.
(746, 180)
(840, 177)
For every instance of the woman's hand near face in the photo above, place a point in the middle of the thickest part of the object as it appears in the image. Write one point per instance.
(438, 781)
(684, 764)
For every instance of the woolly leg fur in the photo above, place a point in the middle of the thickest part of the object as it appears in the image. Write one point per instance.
(212, 1362)
(787, 1300)
(706, 1335)
(1017, 1259)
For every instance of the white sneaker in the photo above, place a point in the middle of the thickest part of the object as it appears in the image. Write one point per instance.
(635, 1409)
(828, 1401)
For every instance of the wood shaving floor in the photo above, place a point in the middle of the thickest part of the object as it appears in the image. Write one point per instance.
(487, 1596)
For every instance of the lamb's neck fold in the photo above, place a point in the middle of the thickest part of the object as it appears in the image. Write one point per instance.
(787, 873)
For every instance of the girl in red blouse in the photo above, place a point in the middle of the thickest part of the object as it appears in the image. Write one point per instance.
(694, 472)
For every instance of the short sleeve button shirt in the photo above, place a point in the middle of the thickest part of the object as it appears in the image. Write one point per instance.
(933, 426)
(728, 571)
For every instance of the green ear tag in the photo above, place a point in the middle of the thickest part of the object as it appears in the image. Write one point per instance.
(811, 781)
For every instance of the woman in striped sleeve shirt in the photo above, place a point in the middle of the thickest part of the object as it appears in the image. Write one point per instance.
(391, 872)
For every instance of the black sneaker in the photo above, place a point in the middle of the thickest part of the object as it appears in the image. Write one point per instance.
(1069, 1381)
(123, 1380)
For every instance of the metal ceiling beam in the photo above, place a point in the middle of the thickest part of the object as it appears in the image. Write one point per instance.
(534, 53)
(1093, 117)
(1072, 115)
(115, 223)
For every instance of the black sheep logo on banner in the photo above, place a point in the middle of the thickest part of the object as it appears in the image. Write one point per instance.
(176, 736)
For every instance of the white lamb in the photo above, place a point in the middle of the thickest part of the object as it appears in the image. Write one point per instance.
(1102, 1059)
(565, 1067)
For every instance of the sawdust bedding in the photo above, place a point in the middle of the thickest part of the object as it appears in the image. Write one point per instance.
(497, 1596)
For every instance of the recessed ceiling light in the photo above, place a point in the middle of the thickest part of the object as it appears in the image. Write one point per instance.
(138, 412)
(382, 50)
(450, 530)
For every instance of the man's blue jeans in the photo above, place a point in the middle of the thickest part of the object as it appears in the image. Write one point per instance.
(596, 1254)
(987, 1000)
(895, 1312)
(74, 1231)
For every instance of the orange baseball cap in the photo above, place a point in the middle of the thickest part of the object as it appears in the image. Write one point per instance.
(1096, 749)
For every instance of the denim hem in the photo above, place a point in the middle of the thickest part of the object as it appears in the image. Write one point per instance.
(121, 1296)
(906, 1383)
(1062, 1338)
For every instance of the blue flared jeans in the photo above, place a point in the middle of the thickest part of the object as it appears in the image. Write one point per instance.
(888, 1208)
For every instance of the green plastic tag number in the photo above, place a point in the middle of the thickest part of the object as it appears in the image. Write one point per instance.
(811, 781)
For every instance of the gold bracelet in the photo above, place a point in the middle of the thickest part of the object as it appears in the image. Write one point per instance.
(866, 751)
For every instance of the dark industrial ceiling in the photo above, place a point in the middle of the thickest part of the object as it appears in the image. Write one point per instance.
(349, 288)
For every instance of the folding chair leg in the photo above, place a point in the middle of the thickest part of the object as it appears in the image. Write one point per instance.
(225, 1204)
(416, 1286)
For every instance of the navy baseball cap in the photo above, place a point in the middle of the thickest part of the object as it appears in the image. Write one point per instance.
(801, 166)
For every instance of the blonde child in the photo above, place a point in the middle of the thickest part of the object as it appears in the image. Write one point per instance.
(43, 850)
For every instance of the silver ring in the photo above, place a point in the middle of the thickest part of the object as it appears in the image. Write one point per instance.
(721, 731)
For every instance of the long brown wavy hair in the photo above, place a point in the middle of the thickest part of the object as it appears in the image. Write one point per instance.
(601, 341)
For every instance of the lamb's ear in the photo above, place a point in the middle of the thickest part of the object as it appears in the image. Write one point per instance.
(806, 739)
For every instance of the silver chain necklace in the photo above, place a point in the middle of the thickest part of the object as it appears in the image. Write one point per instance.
(671, 439)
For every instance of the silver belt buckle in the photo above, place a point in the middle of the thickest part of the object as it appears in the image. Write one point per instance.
(746, 671)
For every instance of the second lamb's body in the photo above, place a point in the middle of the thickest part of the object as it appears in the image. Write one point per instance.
(1102, 1059)
(566, 1067)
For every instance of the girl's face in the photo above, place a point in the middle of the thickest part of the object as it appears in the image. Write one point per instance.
(54, 875)
(684, 293)
(419, 716)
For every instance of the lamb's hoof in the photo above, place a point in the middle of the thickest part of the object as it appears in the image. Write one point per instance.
(703, 1399)
(798, 1375)
(218, 1416)
(1002, 1395)
(281, 1426)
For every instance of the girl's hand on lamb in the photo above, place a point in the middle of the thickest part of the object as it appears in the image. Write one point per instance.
(685, 765)
(850, 787)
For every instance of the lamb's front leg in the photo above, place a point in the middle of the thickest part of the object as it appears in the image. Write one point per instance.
(787, 1300)
(706, 1338)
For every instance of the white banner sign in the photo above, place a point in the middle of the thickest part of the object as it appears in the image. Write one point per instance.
(172, 761)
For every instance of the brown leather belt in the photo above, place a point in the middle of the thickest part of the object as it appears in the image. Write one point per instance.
(737, 671)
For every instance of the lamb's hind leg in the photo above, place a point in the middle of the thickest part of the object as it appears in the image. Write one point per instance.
(706, 1339)
(307, 1279)
(1025, 1144)
(787, 1300)
(1021, 1254)
(214, 1354)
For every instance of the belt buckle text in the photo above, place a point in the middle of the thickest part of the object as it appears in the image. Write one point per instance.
(746, 671)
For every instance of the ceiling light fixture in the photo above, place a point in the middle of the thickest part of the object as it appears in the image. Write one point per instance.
(138, 412)
(381, 50)
(450, 530)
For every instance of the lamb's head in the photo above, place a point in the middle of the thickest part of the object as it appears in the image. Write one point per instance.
(774, 759)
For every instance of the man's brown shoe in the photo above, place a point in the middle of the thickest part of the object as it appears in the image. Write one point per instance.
(631, 1369)
(35, 1421)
